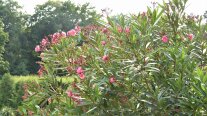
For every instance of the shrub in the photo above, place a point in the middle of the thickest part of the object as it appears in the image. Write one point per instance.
(150, 63)
(10, 93)
(18, 92)
(6, 90)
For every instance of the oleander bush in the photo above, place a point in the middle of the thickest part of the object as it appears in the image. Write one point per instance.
(154, 62)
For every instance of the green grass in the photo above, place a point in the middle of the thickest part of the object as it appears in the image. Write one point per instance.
(27, 78)
(17, 79)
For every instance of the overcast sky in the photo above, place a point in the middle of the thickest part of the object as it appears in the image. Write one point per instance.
(197, 7)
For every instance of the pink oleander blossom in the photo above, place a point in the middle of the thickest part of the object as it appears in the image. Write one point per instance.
(37, 48)
(164, 39)
(105, 30)
(119, 29)
(44, 42)
(62, 34)
(190, 36)
(56, 35)
(79, 70)
(112, 79)
(127, 30)
(72, 32)
(77, 28)
(103, 43)
(105, 58)
(55, 38)
(69, 93)
(82, 76)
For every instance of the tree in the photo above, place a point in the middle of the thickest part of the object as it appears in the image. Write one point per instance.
(14, 24)
(54, 16)
(3, 40)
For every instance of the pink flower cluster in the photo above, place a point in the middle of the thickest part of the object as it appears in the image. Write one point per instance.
(73, 32)
(105, 58)
(165, 38)
(43, 45)
(55, 38)
(190, 36)
(112, 79)
(105, 30)
(80, 72)
(103, 43)
(44, 42)
(37, 48)
(126, 30)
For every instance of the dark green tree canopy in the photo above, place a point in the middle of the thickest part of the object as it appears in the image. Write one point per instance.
(14, 24)
(53, 16)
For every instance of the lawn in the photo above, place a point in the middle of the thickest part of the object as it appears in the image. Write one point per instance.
(27, 78)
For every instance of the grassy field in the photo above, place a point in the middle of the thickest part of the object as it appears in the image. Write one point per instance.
(17, 79)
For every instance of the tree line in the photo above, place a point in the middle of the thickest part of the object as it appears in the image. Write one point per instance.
(20, 32)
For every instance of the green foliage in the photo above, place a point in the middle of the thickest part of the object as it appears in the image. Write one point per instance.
(6, 89)
(150, 63)
(7, 111)
(11, 91)
(18, 92)
(3, 40)
(36, 78)
(14, 24)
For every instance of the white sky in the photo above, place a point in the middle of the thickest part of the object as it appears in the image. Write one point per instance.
(197, 7)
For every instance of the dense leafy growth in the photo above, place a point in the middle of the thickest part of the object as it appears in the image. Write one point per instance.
(14, 24)
(6, 91)
(3, 40)
(151, 63)
(154, 62)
